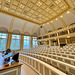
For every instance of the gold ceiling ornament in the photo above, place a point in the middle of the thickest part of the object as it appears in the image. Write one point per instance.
(39, 3)
(36, 11)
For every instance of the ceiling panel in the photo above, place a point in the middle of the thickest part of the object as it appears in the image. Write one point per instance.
(34, 10)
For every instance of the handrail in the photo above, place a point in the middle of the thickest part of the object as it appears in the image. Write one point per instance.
(49, 68)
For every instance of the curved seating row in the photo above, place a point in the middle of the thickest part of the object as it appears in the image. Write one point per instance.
(40, 67)
(65, 63)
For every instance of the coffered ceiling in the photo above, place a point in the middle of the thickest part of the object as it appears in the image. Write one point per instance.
(35, 11)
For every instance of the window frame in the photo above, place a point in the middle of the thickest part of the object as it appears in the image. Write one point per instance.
(6, 39)
(26, 42)
(16, 39)
(35, 42)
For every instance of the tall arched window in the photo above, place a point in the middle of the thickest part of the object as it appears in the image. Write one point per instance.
(15, 42)
(3, 41)
(35, 42)
(26, 42)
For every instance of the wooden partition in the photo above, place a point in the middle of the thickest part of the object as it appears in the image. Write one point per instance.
(40, 67)
(62, 32)
(62, 41)
(55, 58)
(71, 40)
(65, 35)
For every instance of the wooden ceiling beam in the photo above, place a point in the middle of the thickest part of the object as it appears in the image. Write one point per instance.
(33, 29)
(52, 26)
(11, 24)
(44, 29)
(24, 27)
(64, 24)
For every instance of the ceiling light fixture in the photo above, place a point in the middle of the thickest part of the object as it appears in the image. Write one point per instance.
(61, 16)
(58, 1)
(63, 7)
(47, 23)
(8, 0)
(51, 21)
(68, 12)
(21, 6)
(56, 19)
(5, 8)
(39, 3)
(18, 13)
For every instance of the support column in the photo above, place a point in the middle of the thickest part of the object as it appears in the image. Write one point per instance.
(69, 37)
(66, 40)
(68, 32)
(69, 41)
(58, 42)
(49, 42)
(39, 43)
(22, 38)
(45, 43)
(31, 41)
(9, 40)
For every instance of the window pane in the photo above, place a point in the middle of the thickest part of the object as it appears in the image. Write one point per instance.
(15, 43)
(34, 42)
(26, 43)
(3, 40)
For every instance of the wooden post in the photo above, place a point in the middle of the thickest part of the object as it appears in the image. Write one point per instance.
(66, 40)
(22, 39)
(9, 40)
(58, 42)
(31, 41)
(49, 42)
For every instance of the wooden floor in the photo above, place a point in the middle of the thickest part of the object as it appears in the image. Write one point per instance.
(26, 70)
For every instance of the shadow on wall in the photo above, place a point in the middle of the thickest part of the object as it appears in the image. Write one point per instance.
(27, 33)
(16, 31)
(35, 34)
(3, 29)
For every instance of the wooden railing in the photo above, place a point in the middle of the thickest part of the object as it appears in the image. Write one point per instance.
(39, 66)
(57, 33)
(72, 30)
(46, 36)
(53, 35)
(62, 32)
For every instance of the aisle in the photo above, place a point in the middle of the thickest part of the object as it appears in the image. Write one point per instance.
(26, 70)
